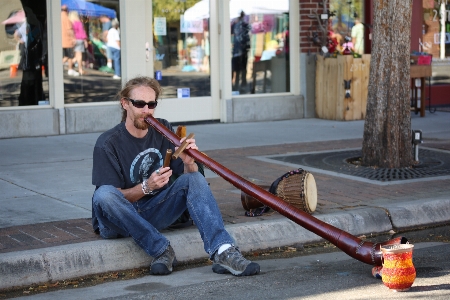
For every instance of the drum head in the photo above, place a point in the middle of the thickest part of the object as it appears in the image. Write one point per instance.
(311, 192)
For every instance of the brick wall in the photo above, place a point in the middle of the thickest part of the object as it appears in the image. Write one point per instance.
(308, 25)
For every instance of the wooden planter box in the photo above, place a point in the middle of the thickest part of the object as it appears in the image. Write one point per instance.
(331, 101)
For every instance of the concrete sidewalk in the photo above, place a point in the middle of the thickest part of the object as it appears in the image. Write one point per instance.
(45, 232)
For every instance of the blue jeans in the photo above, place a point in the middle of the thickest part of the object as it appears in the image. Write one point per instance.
(143, 219)
(116, 58)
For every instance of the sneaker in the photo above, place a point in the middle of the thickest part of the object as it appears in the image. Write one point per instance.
(232, 261)
(163, 264)
(377, 272)
(116, 77)
(105, 69)
(72, 72)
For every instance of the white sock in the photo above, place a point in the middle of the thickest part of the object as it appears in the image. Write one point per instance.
(223, 248)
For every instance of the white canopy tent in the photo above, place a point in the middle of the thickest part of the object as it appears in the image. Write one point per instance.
(201, 9)
(258, 7)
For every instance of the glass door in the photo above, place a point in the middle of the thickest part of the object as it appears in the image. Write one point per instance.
(182, 47)
(182, 59)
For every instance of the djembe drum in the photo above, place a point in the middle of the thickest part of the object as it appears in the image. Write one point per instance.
(249, 203)
(297, 188)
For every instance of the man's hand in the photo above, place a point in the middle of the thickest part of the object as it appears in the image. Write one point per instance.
(189, 163)
(187, 160)
(159, 178)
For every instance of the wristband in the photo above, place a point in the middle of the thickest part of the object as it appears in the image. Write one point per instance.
(145, 188)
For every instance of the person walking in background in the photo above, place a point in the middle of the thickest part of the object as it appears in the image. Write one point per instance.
(106, 26)
(241, 45)
(68, 41)
(358, 37)
(99, 49)
(113, 45)
(81, 39)
(32, 55)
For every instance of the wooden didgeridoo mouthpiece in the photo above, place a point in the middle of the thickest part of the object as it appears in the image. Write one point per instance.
(181, 131)
(182, 146)
(167, 158)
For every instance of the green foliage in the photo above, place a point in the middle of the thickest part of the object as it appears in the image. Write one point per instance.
(171, 10)
(342, 8)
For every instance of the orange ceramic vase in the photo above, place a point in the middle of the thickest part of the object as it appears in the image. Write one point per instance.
(398, 270)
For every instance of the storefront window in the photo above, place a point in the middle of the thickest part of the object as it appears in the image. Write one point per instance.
(23, 53)
(181, 47)
(347, 26)
(91, 50)
(436, 28)
(260, 46)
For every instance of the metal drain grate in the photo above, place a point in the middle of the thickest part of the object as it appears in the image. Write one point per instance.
(431, 164)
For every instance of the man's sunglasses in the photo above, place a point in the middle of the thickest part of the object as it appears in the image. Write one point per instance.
(142, 103)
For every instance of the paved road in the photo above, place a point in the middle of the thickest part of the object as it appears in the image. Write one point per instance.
(323, 276)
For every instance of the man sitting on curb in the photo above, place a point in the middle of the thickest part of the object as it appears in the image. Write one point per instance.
(133, 196)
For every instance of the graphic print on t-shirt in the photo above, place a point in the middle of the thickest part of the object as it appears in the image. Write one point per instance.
(144, 164)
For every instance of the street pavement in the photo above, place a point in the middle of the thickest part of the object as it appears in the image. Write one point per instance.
(45, 184)
(314, 277)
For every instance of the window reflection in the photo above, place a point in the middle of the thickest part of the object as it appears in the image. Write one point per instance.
(23, 53)
(91, 50)
(347, 26)
(260, 46)
(181, 47)
(436, 29)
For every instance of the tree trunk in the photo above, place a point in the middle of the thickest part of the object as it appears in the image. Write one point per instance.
(387, 128)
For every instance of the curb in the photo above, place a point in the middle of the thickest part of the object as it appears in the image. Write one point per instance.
(29, 267)
(413, 214)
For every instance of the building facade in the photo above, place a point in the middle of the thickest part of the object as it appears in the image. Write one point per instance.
(194, 48)
(227, 61)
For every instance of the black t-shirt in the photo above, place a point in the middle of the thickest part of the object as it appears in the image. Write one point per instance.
(123, 161)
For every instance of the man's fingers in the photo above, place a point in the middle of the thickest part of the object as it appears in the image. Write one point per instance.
(162, 177)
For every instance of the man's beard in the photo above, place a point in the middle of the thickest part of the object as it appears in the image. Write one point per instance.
(141, 125)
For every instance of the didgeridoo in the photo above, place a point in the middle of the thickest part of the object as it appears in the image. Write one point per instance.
(167, 158)
(181, 131)
(367, 252)
(182, 146)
